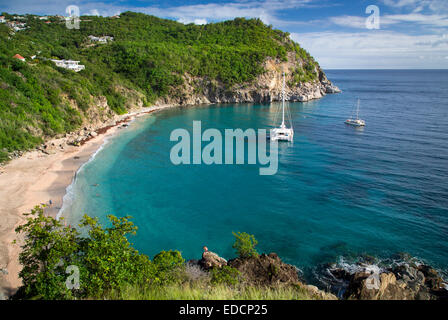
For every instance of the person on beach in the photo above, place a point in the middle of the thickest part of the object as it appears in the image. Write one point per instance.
(50, 202)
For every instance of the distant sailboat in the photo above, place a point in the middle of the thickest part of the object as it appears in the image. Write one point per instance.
(283, 133)
(356, 121)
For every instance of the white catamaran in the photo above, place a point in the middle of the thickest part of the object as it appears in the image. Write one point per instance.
(356, 121)
(283, 133)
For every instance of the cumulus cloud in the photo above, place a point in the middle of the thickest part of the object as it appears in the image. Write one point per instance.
(370, 50)
(430, 20)
(94, 12)
(195, 21)
(419, 5)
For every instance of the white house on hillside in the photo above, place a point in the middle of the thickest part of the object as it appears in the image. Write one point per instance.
(2, 19)
(69, 64)
(103, 39)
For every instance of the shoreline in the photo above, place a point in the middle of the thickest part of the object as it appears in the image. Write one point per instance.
(39, 176)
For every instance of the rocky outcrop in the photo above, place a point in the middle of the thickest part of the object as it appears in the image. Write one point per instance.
(211, 260)
(265, 270)
(266, 88)
(400, 282)
(270, 270)
(261, 271)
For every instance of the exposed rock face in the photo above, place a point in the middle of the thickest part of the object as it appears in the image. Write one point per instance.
(264, 89)
(265, 270)
(401, 282)
(211, 260)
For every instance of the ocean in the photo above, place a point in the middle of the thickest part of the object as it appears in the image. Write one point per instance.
(340, 192)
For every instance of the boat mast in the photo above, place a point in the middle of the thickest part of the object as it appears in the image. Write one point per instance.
(283, 101)
(357, 111)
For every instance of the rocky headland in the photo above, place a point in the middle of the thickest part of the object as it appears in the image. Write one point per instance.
(408, 280)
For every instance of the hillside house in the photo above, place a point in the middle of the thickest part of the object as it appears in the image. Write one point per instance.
(19, 57)
(103, 39)
(69, 64)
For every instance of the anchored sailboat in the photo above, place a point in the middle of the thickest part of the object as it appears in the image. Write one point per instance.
(356, 121)
(283, 133)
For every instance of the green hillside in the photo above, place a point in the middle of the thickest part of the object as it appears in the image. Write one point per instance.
(148, 55)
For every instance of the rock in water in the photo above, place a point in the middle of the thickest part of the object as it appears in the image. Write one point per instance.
(211, 260)
(401, 282)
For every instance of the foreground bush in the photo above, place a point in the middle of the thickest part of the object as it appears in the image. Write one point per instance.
(105, 259)
(245, 245)
(60, 263)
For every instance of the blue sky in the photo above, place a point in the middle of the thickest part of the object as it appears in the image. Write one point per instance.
(412, 33)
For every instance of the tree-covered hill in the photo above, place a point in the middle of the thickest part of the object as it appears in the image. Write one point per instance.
(148, 58)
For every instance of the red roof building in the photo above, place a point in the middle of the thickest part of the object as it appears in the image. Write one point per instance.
(18, 56)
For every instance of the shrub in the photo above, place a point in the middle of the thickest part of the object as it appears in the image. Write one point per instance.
(225, 275)
(48, 249)
(245, 245)
(108, 260)
(167, 266)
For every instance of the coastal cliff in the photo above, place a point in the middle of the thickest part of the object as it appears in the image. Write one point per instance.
(266, 88)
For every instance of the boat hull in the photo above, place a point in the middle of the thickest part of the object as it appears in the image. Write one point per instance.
(355, 123)
(282, 134)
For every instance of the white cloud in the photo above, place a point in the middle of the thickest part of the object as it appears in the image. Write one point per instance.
(195, 21)
(370, 50)
(94, 12)
(419, 5)
(431, 20)
(434, 20)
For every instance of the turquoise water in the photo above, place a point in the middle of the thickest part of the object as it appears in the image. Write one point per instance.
(339, 191)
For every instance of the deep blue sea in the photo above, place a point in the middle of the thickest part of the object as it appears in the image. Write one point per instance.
(339, 191)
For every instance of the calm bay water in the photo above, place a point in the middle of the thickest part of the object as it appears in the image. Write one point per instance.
(339, 191)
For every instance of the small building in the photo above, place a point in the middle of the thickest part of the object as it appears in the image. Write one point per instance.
(17, 26)
(69, 64)
(103, 39)
(2, 19)
(43, 18)
(18, 56)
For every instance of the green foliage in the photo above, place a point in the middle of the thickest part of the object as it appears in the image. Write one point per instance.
(167, 266)
(48, 249)
(225, 275)
(105, 258)
(108, 260)
(149, 55)
(245, 245)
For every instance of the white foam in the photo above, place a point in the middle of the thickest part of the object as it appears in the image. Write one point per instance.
(67, 200)
(69, 196)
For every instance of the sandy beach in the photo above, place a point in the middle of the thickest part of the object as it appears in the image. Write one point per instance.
(36, 178)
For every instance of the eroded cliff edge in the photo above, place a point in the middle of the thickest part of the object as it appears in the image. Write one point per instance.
(266, 88)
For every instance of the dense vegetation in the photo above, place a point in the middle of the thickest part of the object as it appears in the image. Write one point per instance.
(149, 55)
(61, 262)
